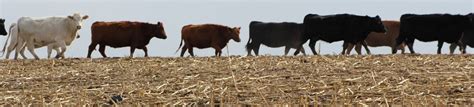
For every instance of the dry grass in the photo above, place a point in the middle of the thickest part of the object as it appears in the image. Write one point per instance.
(267, 80)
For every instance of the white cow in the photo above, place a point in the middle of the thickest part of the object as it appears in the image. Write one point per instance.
(54, 32)
(15, 41)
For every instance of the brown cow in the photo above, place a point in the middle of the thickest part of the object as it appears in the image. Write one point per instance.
(122, 34)
(381, 39)
(207, 35)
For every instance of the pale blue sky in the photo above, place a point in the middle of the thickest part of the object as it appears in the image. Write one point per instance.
(176, 13)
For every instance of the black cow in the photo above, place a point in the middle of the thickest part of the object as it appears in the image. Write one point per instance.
(2, 27)
(432, 27)
(274, 35)
(467, 39)
(349, 28)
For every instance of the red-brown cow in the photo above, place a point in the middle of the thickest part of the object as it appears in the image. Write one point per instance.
(122, 34)
(381, 39)
(207, 35)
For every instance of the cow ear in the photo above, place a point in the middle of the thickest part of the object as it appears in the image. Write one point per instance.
(377, 16)
(70, 17)
(85, 17)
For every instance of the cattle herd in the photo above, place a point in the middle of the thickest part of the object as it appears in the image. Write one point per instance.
(56, 33)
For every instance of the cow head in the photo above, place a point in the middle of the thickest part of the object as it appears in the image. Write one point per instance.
(160, 31)
(234, 33)
(377, 25)
(2, 27)
(77, 20)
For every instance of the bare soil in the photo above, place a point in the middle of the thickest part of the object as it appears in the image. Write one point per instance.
(265, 80)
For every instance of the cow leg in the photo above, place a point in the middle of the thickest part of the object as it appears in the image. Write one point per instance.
(50, 48)
(440, 45)
(91, 48)
(20, 48)
(349, 48)
(462, 47)
(62, 45)
(191, 52)
(145, 50)
(8, 53)
(312, 44)
(410, 41)
(10, 48)
(31, 47)
(132, 50)
(365, 46)
(298, 50)
(403, 50)
(57, 52)
(302, 51)
(249, 48)
(410, 47)
(463, 50)
(287, 49)
(183, 50)
(452, 47)
(218, 52)
(17, 51)
(344, 46)
(102, 50)
(358, 48)
(401, 39)
(256, 48)
(22, 52)
(401, 47)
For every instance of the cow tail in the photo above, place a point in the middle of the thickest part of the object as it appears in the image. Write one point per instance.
(247, 47)
(180, 44)
(6, 42)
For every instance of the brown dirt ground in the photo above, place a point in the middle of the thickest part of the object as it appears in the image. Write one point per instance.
(264, 80)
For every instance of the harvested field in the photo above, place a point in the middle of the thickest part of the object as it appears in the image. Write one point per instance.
(265, 80)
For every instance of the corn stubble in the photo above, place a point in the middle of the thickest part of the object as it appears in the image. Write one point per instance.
(380, 80)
